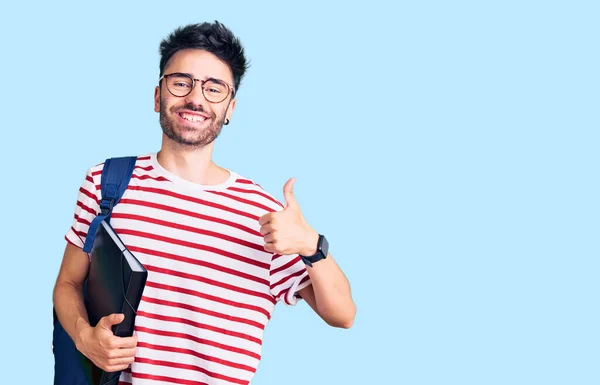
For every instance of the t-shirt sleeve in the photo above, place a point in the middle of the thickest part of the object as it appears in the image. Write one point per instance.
(87, 208)
(288, 276)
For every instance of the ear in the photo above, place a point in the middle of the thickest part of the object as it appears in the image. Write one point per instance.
(230, 109)
(157, 99)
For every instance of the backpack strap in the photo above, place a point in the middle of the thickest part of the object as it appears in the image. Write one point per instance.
(116, 174)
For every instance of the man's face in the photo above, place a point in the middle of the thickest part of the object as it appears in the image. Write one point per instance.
(192, 120)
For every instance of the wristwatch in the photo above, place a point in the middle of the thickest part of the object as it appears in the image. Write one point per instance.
(322, 251)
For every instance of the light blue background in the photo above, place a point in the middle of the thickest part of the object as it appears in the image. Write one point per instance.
(449, 150)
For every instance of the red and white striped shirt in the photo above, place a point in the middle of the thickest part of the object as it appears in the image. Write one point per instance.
(211, 287)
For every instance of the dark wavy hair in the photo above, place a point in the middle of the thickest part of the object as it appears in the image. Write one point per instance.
(212, 37)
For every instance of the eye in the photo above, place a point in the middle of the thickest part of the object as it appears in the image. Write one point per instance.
(213, 90)
(214, 87)
(180, 82)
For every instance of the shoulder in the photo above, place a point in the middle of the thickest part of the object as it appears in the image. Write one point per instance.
(141, 161)
(247, 188)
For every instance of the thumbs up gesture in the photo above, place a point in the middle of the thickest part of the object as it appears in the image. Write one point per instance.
(286, 231)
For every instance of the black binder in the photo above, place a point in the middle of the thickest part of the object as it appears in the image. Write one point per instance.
(116, 277)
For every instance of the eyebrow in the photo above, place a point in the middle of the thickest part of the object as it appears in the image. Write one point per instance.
(215, 80)
(183, 73)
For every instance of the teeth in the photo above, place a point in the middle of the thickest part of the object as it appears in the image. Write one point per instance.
(192, 118)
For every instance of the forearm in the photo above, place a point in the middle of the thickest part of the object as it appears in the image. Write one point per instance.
(286, 233)
(71, 312)
(331, 289)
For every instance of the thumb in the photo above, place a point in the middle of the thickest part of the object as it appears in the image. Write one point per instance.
(288, 194)
(109, 320)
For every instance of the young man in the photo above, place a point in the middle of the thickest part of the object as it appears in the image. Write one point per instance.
(220, 251)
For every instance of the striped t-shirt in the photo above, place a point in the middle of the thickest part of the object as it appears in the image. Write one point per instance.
(211, 286)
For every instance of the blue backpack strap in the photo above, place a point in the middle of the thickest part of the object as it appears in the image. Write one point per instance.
(113, 183)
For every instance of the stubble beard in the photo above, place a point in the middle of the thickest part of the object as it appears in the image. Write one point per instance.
(174, 130)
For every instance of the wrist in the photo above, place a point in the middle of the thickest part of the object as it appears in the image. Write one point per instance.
(318, 253)
(82, 328)
(310, 243)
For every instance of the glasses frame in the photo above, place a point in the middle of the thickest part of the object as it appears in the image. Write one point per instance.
(230, 89)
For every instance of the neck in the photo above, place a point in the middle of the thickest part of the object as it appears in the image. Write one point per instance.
(192, 164)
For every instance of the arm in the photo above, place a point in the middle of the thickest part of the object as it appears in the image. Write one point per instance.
(329, 295)
(68, 292)
(99, 344)
(287, 232)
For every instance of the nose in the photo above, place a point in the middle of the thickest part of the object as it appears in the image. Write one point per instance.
(196, 97)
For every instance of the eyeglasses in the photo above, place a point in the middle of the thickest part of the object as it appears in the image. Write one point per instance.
(214, 90)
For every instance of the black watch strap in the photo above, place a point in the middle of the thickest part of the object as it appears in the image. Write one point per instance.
(322, 251)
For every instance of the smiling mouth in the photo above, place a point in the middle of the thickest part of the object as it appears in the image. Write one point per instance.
(192, 117)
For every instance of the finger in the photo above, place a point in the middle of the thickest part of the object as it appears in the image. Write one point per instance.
(122, 353)
(115, 368)
(269, 238)
(110, 320)
(124, 342)
(265, 219)
(270, 247)
(121, 361)
(266, 229)
(288, 193)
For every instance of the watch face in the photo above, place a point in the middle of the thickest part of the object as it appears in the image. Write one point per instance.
(323, 246)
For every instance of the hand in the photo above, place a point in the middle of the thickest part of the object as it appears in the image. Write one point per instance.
(107, 351)
(286, 231)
